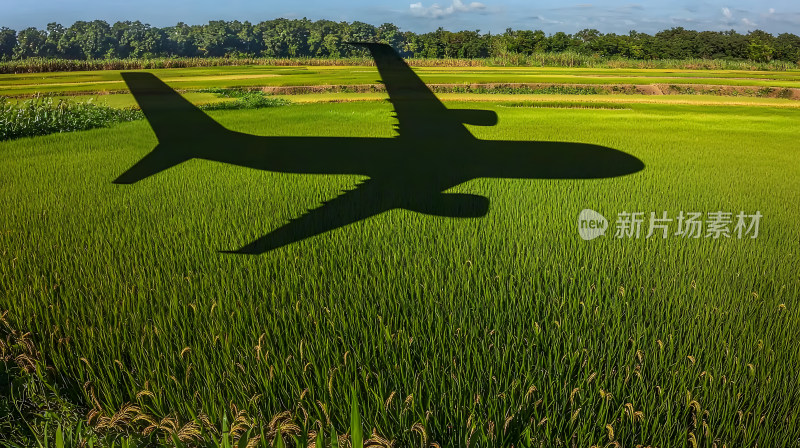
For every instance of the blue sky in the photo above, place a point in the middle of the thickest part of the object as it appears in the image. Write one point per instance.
(619, 16)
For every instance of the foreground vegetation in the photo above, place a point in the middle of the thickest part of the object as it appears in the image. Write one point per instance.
(43, 115)
(499, 331)
(37, 410)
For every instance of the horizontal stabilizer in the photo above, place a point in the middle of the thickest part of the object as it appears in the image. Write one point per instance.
(156, 161)
(181, 128)
(476, 117)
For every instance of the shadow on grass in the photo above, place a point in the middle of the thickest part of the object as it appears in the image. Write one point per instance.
(433, 152)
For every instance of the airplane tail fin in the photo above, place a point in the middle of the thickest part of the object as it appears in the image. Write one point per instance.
(177, 123)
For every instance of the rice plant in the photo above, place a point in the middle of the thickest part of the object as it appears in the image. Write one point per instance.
(506, 330)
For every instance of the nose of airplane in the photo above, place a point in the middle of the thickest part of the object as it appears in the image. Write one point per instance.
(549, 160)
(586, 161)
(624, 163)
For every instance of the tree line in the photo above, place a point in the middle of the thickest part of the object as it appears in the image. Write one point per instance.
(324, 38)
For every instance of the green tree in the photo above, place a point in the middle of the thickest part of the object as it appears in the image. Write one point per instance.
(293, 38)
(431, 45)
(412, 44)
(390, 34)
(246, 40)
(787, 47)
(709, 45)
(324, 38)
(283, 37)
(332, 45)
(30, 43)
(735, 45)
(179, 40)
(524, 41)
(54, 33)
(215, 39)
(358, 32)
(559, 42)
(8, 40)
(137, 40)
(87, 40)
(761, 46)
(676, 43)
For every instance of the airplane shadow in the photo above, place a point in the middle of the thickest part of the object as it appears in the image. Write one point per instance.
(432, 153)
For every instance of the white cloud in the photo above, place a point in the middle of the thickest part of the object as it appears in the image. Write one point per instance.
(437, 12)
(772, 10)
(544, 20)
(727, 13)
(748, 22)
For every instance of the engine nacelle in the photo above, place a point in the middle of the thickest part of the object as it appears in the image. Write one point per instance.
(476, 117)
(453, 205)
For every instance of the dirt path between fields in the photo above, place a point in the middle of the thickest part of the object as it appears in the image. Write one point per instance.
(649, 90)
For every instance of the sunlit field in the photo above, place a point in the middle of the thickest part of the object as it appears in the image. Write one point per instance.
(276, 76)
(506, 330)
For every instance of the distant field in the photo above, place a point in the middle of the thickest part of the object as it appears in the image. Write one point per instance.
(124, 100)
(498, 331)
(249, 76)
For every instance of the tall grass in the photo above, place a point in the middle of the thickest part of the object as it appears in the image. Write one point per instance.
(30, 386)
(43, 115)
(573, 59)
(565, 59)
(39, 65)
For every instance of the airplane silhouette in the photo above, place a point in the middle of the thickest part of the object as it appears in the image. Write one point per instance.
(433, 152)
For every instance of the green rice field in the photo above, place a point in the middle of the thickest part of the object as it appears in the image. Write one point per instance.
(276, 76)
(506, 330)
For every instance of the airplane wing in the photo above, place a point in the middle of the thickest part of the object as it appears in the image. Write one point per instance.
(419, 112)
(366, 200)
